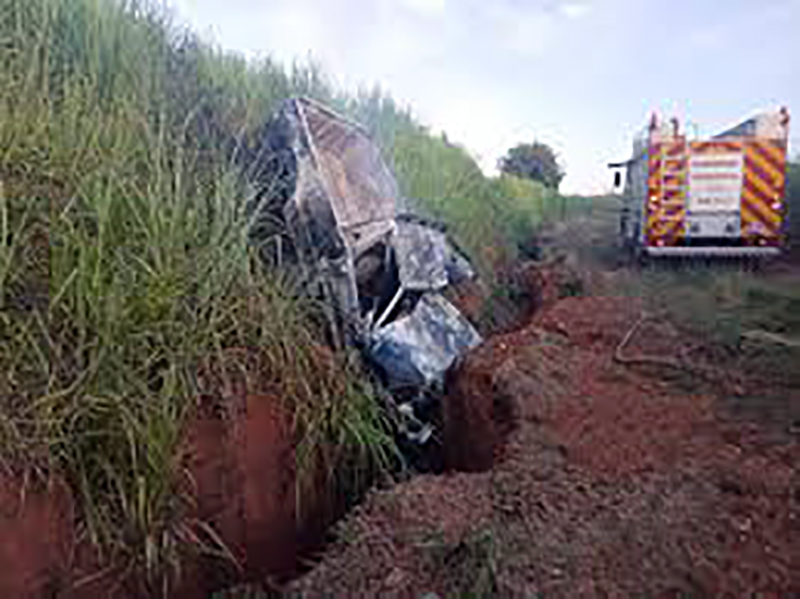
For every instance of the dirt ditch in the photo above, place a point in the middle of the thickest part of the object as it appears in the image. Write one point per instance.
(597, 479)
(240, 481)
(573, 469)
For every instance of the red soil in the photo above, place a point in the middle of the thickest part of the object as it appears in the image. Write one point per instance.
(36, 536)
(602, 482)
(241, 464)
(244, 471)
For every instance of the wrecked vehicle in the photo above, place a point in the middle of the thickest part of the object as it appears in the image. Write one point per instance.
(327, 207)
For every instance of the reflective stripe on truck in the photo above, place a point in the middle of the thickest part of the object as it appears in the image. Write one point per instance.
(719, 188)
(764, 184)
(723, 194)
(666, 202)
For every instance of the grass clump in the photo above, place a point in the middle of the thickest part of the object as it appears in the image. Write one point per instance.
(127, 147)
(124, 265)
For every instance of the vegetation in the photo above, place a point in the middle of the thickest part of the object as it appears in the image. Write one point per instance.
(125, 154)
(125, 267)
(536, 161)
(494, 219)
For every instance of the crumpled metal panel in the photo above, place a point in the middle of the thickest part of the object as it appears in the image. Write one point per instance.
(416, 350)
(338, 200)
(421, 254)
(361, 190)
(310, 217)
(458, 267)
(326, 180)
(364, 237)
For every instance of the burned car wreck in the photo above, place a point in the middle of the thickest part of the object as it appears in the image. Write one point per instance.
(328, 207)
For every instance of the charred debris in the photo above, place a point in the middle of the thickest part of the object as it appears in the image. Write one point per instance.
(327, 209)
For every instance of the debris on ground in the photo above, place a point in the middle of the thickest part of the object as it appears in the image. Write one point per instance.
(600, 480)
(328, 210)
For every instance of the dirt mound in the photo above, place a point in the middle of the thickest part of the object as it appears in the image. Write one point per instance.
(676, 533)
(592, 322)
(508, 379)
(603, 481)
(524, 374)
(396, 543)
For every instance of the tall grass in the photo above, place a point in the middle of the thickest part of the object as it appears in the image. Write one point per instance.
(495, 219)
(489, 217)
(126, 147)
(125, 265)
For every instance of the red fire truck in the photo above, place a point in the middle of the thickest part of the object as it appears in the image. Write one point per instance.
(718, 196)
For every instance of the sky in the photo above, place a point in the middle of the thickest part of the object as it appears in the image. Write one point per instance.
(580, 75)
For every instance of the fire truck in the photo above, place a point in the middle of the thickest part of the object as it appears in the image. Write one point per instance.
(722, 195)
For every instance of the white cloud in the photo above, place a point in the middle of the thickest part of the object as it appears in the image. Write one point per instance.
(530, 30)
(708, 38)
(531, 33)
(294, 30)
(733, 27)
(574, 10)
(475, 119)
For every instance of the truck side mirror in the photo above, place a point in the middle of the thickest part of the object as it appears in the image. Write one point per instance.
(617, 180)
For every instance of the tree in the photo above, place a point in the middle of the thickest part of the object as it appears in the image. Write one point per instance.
(535, 161)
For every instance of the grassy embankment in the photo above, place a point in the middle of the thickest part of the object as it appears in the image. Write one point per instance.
(124, 263)
(125, 266)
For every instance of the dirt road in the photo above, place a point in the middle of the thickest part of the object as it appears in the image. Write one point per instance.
(623, 465)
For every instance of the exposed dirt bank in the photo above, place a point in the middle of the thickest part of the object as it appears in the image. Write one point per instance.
(600, 479)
